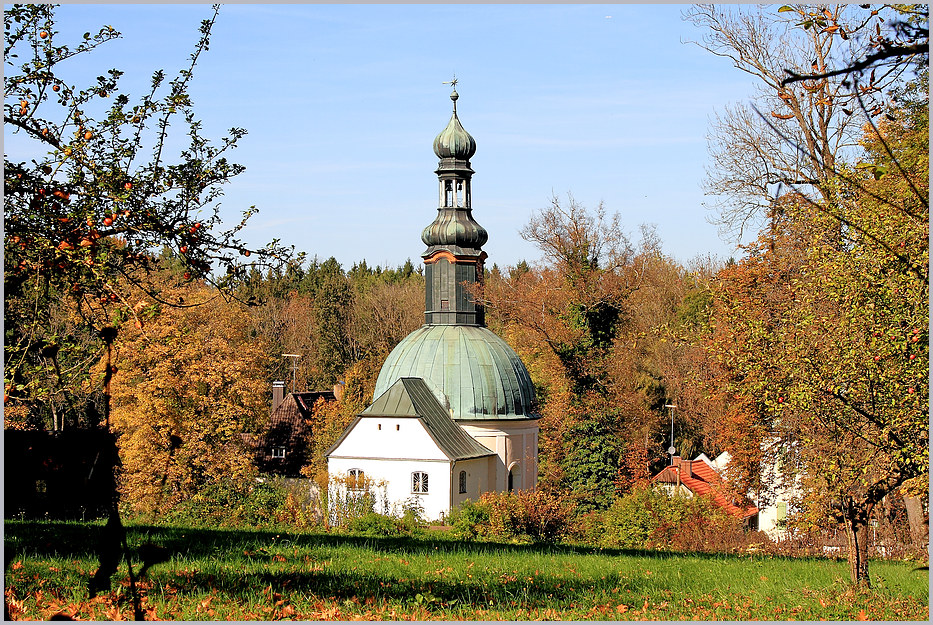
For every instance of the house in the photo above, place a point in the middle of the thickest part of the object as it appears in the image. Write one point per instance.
(285, 443)
(453, 412)
(703, 477)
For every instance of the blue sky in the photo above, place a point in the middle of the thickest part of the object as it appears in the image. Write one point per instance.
(342, 104)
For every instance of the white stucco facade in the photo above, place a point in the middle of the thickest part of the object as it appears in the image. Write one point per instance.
(516, 447)
(391, 450)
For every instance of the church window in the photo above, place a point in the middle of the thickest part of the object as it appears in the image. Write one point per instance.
(419, 482)
(459, 193)
(356, 479)
(511, 481)
(463, 482)
(278, 452)
(448, 193)
(445, 304)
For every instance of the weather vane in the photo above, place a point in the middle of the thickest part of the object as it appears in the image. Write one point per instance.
(452, 83)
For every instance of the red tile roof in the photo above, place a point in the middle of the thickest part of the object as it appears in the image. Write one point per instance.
(701, 479)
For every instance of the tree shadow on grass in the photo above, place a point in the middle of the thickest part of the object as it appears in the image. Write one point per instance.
(78, 540)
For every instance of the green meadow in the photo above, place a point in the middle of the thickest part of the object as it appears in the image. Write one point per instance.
(204, 574)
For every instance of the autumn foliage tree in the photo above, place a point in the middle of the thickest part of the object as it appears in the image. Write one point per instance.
(590, 321)
(794, 135)
(823, 343)
(191, 381)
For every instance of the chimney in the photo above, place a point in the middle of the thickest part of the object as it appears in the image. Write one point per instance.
(676, 463)
(278, 393)
(687, 467)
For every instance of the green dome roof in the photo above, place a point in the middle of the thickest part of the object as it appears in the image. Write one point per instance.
(473, 372)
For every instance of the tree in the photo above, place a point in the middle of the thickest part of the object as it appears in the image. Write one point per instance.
(98, 201)
(192, 380)
(824, 342)
(904, 38)
(791, 139)
(590, 323)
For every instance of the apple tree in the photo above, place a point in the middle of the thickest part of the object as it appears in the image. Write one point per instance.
(94, 191)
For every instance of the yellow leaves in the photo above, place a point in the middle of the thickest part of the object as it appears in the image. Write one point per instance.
(198, 374)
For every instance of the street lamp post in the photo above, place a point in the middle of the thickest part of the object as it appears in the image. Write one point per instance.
(671, 450)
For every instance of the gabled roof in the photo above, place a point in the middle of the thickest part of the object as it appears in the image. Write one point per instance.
(411, 398)
(701, 479)
(296, 407)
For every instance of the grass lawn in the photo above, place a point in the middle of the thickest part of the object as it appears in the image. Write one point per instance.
(259, 575)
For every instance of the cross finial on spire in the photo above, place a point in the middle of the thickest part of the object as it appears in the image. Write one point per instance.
(454, 95)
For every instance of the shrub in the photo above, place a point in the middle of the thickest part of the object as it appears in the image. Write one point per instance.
(347, 498)
(648, 518)
(469, 520)
(531, 515)
(374, 524)
(631, 520)
(230, 504)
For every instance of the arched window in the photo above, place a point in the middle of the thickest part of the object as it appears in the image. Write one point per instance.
(355, 480)
(463, 482)
(515, 477)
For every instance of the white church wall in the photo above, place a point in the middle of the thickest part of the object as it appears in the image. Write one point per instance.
(386, 437)
(478, 472)
(397, 475)
(515, 444)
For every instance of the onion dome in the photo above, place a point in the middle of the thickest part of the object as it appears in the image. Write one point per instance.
(455, 230)
(454, 141)
(471, 371)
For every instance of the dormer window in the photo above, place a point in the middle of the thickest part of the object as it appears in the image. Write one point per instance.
(278, 452)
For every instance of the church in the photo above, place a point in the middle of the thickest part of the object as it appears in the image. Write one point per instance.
(453, 414)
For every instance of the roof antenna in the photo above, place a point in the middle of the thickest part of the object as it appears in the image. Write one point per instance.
(294, 358)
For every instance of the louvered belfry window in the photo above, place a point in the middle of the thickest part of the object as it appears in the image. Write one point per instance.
(419, 482)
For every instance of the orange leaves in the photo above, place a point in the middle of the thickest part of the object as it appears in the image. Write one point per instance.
(781, 116)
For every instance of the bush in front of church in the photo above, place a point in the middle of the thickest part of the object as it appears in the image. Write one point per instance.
(519, 515)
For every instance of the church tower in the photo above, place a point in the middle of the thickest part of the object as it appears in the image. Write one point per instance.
(454, 259)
